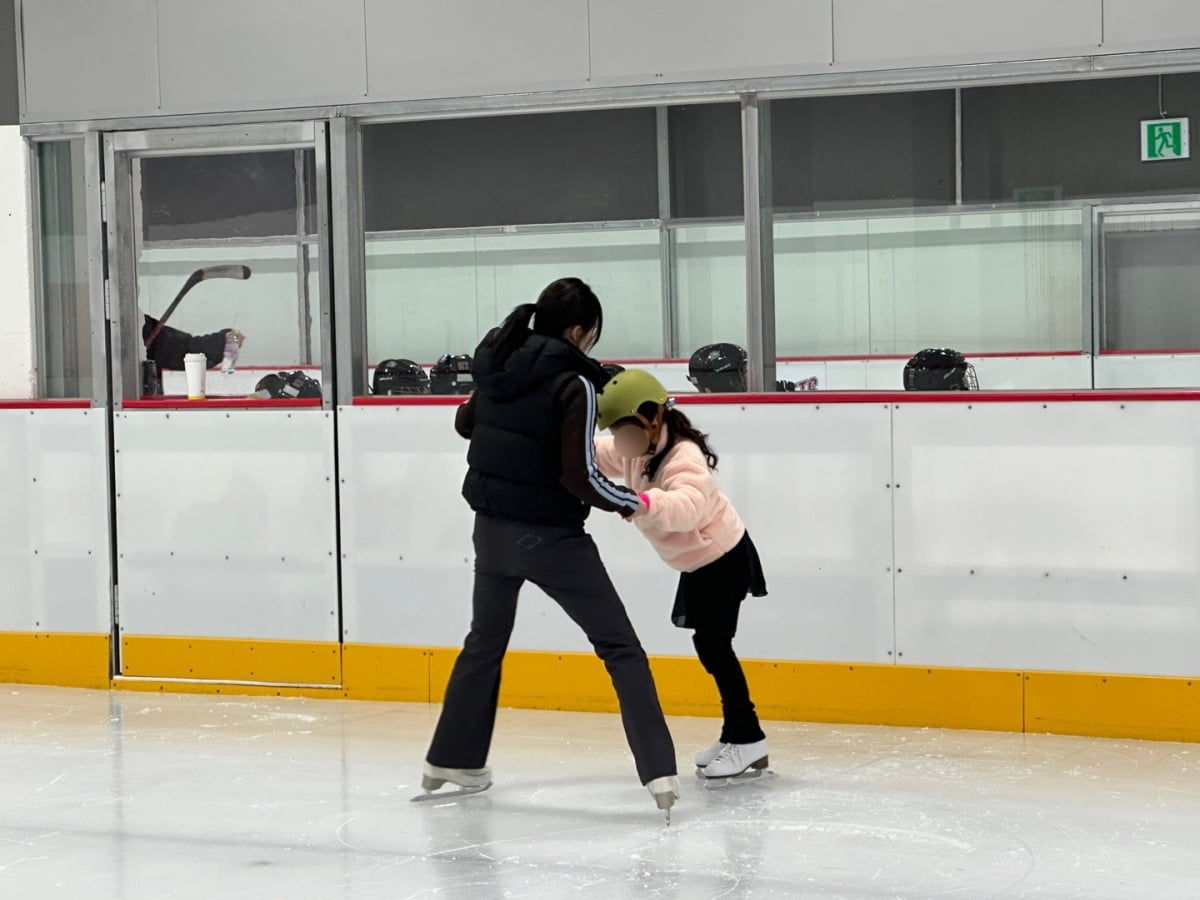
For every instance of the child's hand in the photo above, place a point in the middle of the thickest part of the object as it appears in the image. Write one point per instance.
(642, 509)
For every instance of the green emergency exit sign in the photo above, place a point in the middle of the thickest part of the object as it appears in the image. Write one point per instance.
(1164, 139)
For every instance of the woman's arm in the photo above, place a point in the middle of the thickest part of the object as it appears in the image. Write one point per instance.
(580, 473)
(464, 418)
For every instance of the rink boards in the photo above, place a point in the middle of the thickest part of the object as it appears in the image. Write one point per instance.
(1007, 561)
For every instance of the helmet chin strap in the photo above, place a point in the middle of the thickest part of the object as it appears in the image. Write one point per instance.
(647, 436)
(653, 426)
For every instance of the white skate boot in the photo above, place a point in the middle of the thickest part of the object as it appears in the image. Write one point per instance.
(708, 754)
(737, 760)
(665, 791)
(467, 781)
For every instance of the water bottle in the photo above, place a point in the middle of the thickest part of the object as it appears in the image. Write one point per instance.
(231, 354)
(151, 379)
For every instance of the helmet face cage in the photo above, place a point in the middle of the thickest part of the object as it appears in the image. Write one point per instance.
(718, 369)
(399, 376)
(452, 375)
(301, 385)
(289, 386)
(719, 382)
(272, 384)
(940, 370)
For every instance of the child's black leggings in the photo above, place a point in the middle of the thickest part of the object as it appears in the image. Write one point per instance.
(709, 601)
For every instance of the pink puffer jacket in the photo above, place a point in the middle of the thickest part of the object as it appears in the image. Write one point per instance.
(690, 522)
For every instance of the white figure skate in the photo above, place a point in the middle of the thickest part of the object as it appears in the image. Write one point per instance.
(466, 781)
(737, 762)
(708, 754)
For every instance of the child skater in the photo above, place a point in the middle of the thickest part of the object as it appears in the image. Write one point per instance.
(657, 451)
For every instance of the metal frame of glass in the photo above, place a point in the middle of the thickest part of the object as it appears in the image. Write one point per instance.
(121, 208)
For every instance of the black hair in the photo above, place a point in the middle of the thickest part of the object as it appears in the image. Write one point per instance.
(563, 304)
(679, 428)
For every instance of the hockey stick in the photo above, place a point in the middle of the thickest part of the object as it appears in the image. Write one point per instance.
(240, 273)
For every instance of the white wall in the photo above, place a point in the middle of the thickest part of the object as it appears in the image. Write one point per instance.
(1049, 535)
(55, 563)
(16, 303)
(818, 514)
(1161, 370)
(226, 523)
(291, 53)
(1059, 536)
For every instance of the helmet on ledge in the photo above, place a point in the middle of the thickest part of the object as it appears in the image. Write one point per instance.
(940, 370)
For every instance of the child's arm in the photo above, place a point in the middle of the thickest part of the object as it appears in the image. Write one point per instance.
(606, 457)
(687, 491)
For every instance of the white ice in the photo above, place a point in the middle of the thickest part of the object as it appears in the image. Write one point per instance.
(129, 795)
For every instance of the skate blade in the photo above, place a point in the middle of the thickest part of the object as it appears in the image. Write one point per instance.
(714, 783)
(664, 802)
(450, 795)
(728, 781)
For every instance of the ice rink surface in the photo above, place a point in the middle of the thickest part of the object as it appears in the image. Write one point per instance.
(133, 795)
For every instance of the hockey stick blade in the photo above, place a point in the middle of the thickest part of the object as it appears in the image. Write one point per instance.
(239, 273)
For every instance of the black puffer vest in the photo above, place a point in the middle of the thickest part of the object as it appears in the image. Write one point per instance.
(515, 457)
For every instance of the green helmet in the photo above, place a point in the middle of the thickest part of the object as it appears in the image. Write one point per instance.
(625, 393)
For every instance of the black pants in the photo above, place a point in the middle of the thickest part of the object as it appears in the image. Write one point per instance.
(565, 564)
(709, 600)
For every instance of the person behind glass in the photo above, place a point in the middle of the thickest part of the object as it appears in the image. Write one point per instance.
(531, 480)
(171, 345)
(656, 450)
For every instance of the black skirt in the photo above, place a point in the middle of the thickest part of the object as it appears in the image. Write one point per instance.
(724, 581)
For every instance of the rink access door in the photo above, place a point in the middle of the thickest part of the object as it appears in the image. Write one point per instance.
(225, 509)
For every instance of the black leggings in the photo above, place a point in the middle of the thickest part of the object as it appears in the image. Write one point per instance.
(709, 600)
(714, 645)
(565, 564)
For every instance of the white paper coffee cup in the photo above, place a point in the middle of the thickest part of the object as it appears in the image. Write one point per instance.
(195, 365)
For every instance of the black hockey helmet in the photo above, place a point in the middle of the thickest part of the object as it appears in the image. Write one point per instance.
(452, 375)
(940, 370)
(718, 369)
(399, 376)
(288, 386)
(612, 369)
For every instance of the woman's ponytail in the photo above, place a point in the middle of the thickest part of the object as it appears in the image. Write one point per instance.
(513, 330)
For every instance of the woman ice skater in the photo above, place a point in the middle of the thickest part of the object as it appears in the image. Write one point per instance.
(532, 480)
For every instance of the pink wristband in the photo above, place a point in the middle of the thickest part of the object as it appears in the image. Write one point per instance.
(645, 498)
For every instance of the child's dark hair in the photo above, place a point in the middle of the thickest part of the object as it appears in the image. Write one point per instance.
(562, 304)
(679, 428)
